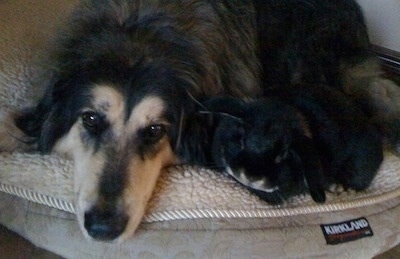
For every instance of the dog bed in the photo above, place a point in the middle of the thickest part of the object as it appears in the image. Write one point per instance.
(194, 212)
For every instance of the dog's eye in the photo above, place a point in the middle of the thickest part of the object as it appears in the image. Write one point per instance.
(154, 132)
(91, 120)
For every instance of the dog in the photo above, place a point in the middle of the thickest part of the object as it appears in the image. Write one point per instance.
(129, 75)
(300, 139)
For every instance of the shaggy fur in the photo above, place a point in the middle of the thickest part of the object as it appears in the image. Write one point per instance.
(128, 74)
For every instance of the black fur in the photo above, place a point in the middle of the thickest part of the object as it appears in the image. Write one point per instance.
(301, 139)
(309, 41)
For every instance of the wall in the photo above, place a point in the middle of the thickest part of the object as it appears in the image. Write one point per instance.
(383, 21)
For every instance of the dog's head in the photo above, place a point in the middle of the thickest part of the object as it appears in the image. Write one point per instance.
(120, 134)
(118, 104)
(119, 150)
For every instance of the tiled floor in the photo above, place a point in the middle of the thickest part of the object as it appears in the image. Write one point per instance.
(13, 246)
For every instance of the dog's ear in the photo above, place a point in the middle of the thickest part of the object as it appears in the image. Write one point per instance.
(192, 140)
(51, 118)
(43, 124)
(311, 163)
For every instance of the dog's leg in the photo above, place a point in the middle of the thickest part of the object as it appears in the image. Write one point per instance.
(11, 137)
(364, 82)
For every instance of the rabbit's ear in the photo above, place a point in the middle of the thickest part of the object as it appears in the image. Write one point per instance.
(227, 143)
(311, 163)
(314, 181)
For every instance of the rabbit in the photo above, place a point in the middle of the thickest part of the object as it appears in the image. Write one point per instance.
(300, 139)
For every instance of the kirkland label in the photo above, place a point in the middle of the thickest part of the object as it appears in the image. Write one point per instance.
(346, 231)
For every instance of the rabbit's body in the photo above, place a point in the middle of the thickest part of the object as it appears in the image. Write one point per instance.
(300, 139)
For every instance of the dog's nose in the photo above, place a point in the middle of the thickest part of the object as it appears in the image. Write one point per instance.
(105, 225)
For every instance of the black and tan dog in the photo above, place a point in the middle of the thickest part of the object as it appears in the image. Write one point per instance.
(302, 139)
(127, 74)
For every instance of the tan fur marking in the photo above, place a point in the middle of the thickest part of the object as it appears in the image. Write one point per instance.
(142, 178)
(110, 102)
(148, 111)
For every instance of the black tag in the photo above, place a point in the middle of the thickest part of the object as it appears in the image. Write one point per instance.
(346, 231)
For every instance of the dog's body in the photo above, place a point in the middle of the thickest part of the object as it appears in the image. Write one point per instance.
(301, 139)
(128, 73)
